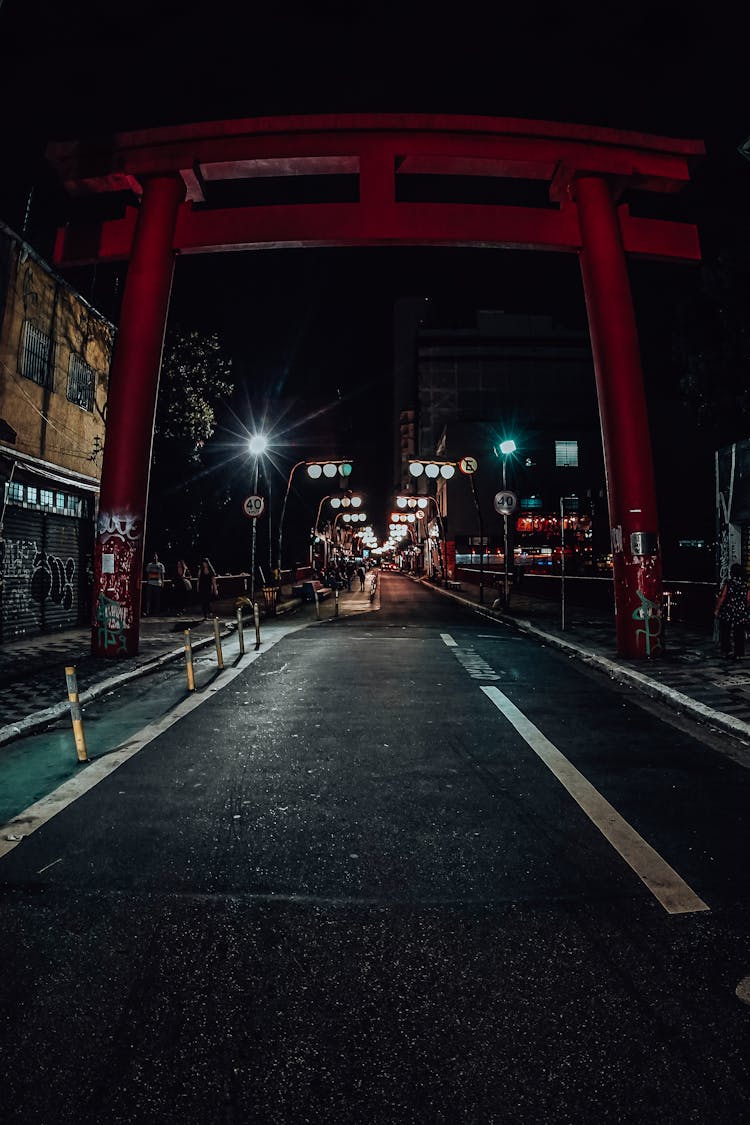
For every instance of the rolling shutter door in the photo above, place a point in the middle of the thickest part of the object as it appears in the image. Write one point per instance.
(41, 573)
(23, 535)
(56, 581)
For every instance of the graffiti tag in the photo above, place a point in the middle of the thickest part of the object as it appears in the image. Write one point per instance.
(127, 528)
(650, 614)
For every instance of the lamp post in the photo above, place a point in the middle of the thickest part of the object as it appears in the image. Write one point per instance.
(315, 470)
(257, 445)
(506, 448)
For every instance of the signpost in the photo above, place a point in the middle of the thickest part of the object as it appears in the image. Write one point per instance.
(253, 506)
(468, 465)
(505, 503)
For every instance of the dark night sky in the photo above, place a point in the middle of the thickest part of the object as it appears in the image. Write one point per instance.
(320, 321)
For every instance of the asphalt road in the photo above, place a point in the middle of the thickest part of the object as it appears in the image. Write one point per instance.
(352, 886)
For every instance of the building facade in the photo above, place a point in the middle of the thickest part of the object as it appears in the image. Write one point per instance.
(55, 352)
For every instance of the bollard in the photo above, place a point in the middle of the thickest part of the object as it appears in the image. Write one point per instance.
(256, 619)
(217, 638)
(335, 603)
(75, 714)
(317, 604)
(189, 661)
(240, 630)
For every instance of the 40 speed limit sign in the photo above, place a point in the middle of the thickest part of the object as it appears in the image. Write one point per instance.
(505, 503)
(254, 506)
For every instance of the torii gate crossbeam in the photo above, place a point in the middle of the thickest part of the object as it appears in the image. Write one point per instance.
(168, 180)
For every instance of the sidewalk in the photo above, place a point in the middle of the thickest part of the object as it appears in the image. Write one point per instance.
(689, 675)
(33, 691)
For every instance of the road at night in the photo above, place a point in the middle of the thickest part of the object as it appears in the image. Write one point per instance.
(359, 884)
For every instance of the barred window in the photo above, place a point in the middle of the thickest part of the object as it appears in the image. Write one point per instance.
(31, 493)
(566, 454)
(46, 497)
(36, 355)
(81, 383)
(15, 491)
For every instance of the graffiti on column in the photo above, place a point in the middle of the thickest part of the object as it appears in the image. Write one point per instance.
(112, 620)
(650, 614)
(120, 542)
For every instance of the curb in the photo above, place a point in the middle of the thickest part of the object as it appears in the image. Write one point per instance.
(630, 676)
(41, 719)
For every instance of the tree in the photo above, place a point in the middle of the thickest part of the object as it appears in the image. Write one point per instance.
(186, 497)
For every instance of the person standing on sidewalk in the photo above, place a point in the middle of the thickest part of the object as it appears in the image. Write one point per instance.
(154, 585)
(732, 613)
(207, 588)
(183, 587)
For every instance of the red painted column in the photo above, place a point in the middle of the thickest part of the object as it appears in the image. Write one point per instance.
(624, 420)
(131, 405)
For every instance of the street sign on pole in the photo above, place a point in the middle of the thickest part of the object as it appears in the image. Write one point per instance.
(468, 465)
(505, 502)
(253, 506)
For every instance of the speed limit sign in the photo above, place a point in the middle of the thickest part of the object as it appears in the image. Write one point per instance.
(505, 503)
(254, 506)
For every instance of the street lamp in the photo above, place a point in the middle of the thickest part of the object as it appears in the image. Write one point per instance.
(257, 446)
(506, 448)
(315, 470)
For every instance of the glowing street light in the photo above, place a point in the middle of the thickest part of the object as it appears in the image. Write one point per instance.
(315, 470)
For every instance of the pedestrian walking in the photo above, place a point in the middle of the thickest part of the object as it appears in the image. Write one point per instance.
(183, 587)
(207, 588)
(154, 584)
(361, 576)
(732, 613)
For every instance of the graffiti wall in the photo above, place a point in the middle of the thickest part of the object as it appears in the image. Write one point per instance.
(40, 567)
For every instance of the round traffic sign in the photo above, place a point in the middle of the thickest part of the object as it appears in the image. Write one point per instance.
(505, 502)
(468, 465)
(254, 506)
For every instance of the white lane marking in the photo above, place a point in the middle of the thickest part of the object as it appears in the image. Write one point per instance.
(662, 880)
(41, 811)
(448, 640)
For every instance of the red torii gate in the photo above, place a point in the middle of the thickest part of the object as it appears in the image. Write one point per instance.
(168, 174)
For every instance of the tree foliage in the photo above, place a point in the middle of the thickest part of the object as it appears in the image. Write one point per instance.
(195, 379)
(712, 346)
(187, 499)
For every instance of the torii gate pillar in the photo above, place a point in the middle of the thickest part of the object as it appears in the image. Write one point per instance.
(134, 383)
(625, 433)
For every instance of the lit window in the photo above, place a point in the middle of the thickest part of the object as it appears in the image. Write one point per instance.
(15, 491)
(31, 493)
(36, 355)
(60, 500)
(46, 498)
(531, 502)
(566, 454)
(81, 383)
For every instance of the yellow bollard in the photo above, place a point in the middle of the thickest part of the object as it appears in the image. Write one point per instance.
(189, 662)
(240, 630)
(75, 714)
(217, 638)
(256, 619)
